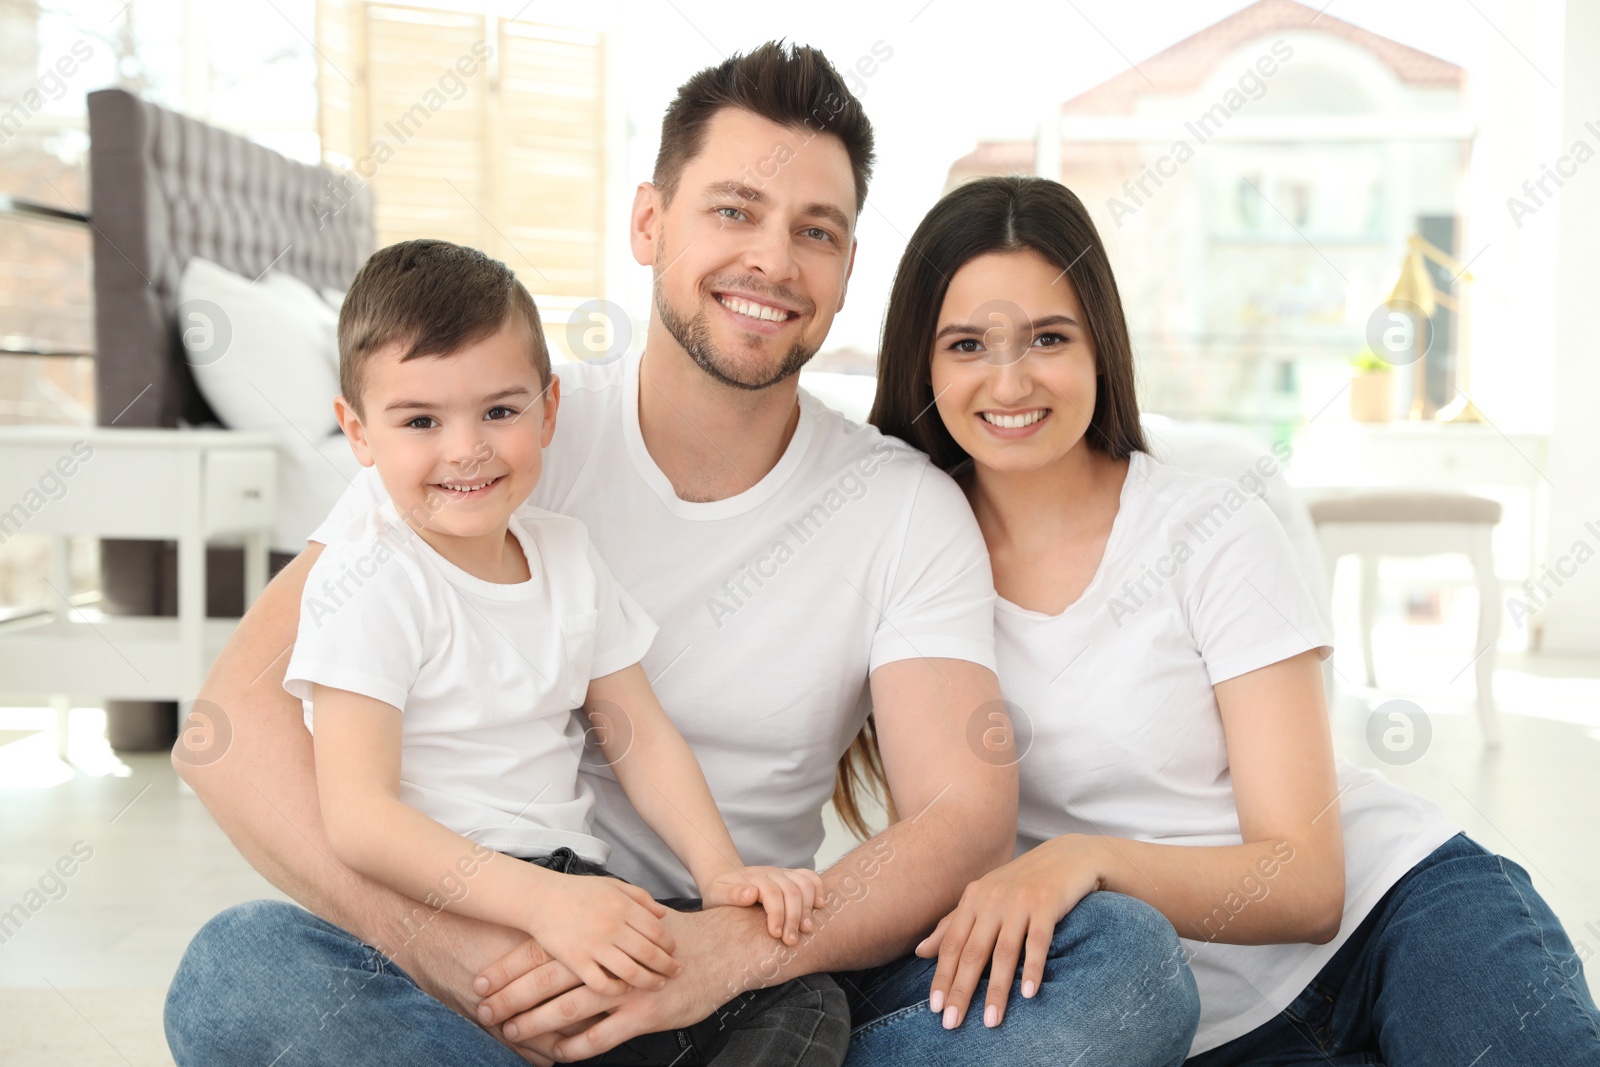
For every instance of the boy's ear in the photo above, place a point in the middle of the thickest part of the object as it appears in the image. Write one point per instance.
(552, 400)
(354, 432)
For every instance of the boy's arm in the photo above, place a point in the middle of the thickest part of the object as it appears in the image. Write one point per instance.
(253, 770)
(357, 746)
(659, 774)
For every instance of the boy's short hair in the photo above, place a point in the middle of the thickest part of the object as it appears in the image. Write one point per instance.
(434, 298)
(788, 85)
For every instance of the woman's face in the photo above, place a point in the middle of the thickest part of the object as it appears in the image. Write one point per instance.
(1013, 364)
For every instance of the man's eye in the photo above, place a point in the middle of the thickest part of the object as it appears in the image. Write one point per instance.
(819, 233)
(731, 213)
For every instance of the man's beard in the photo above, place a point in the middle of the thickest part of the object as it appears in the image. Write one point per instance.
(694, 334)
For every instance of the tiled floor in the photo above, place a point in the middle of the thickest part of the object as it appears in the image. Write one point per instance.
(82, 980)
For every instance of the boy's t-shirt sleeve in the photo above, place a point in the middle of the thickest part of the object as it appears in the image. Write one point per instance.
(941, 594)
(361, 625)
(623, 630)
(1245, 599)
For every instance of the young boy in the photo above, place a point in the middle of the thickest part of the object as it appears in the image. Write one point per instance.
(447, 637)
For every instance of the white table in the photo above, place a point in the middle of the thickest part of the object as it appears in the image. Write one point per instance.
(190, 486)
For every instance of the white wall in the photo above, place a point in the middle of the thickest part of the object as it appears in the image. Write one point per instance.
(1572, 614)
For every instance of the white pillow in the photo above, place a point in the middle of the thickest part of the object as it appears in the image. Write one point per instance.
(259, 353)
(312, 309)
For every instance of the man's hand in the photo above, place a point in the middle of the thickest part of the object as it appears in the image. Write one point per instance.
(445, 954)
(549, 1010)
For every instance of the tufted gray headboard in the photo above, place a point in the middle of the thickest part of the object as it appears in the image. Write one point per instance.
(163, 188)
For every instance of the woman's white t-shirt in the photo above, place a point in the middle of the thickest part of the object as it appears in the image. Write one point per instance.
(486, 675)
(1122, 736)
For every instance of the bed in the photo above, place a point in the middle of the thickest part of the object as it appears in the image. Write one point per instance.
(167, 189)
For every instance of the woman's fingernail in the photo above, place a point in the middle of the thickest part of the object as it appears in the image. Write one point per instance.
(950, 1017)
(936, 1001)
(484, 1013)
(480, 985)
(1028, 988)
(991, 1016)
(510, 1030)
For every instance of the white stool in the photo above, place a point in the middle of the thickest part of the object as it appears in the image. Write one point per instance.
(1370, 525)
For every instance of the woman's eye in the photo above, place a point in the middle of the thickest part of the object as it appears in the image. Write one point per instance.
(507, 413)
(1050, 340)
(425, 419)
(968, 345)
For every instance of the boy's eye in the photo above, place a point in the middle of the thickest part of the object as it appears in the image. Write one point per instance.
(505, 413)
(424, 419)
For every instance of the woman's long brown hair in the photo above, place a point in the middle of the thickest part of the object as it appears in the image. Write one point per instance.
(1008, 214)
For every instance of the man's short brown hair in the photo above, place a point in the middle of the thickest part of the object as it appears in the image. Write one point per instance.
(434, 298)
(791, 85)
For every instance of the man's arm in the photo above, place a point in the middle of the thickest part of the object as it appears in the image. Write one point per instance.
(959, 806)
(262, 791)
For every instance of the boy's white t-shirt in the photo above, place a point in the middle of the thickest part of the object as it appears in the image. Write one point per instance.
(1124, 738)
(775, 605)
(486, 675)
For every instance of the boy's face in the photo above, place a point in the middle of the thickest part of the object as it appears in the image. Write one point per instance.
(752, 254)
(457, 439)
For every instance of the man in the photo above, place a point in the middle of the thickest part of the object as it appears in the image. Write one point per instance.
(802, 569)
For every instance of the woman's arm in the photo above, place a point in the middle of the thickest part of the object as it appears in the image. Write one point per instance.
(1284, 883)
(587, 923)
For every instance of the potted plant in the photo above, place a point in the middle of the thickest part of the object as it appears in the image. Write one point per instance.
(1371, 388)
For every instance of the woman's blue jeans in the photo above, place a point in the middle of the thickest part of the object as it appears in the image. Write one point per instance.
(1461, 964)
(268, 982)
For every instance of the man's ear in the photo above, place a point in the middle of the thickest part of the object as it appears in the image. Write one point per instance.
(354, 432)
(552, 400)
(644, 223)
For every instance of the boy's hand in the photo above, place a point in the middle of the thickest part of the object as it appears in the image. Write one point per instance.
(788, 895)
(608, 932)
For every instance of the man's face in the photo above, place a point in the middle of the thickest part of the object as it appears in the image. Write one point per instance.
(752, 254)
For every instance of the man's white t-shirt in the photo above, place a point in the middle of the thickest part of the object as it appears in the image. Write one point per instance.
(1197, 585)
(486, 675)
(775, 605)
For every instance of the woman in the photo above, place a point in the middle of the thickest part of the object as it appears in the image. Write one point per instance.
(1154, 633)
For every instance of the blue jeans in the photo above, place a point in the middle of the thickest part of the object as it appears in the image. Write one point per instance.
(1460, 963)
(1116, 993)
(268, 982)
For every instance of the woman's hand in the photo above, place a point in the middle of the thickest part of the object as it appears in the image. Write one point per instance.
(609, 933)
(788, 895)
(1011, 911)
